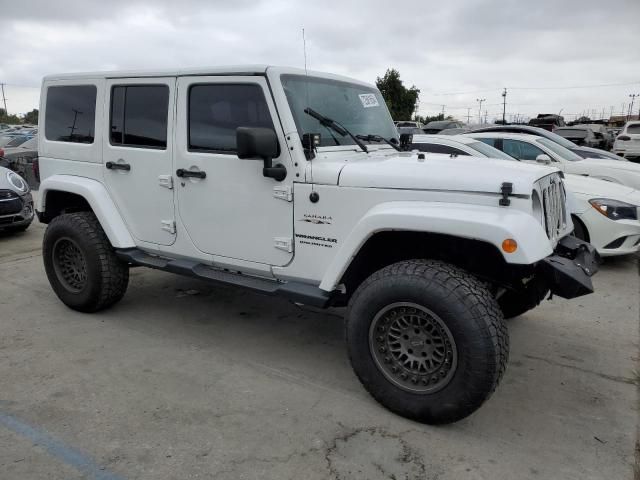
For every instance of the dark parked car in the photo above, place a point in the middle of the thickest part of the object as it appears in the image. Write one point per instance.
(547, 121)
(439, 125)
(20, 159)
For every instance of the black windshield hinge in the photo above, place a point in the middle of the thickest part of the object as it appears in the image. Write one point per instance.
(310, 144)
(506, 189)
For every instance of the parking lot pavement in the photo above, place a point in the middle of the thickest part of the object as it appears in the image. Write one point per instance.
(185, 380)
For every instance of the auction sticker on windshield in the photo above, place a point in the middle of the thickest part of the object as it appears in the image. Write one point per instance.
(368, 100)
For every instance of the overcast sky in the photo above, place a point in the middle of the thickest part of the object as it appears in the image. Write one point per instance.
(472, 48)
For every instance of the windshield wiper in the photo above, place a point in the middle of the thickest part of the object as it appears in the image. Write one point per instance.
(328, 122)
(378, 138)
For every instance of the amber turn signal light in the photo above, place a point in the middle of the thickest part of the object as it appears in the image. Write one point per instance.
(509, 245)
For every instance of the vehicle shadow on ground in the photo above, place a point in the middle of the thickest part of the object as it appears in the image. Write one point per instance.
(243, 326)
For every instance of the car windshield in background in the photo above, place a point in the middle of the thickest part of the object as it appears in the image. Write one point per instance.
(16, 142)
(602, 154)
(359, 108)
(489, 151)
(634, 129)
(559, 150)
(571, 133)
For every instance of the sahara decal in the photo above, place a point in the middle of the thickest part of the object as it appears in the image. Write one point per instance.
(316, 219)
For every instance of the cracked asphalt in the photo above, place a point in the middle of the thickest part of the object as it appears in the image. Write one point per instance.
(184, 380)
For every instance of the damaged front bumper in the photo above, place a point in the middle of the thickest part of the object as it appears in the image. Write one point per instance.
(569, 270)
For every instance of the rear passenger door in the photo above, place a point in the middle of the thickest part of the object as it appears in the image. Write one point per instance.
(137, 154)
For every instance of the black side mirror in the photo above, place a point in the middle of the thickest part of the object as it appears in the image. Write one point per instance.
(406, 139)
(254, 143)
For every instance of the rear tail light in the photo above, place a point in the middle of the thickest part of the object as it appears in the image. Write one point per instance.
(623, 138)
(36, 169)
(1, 152)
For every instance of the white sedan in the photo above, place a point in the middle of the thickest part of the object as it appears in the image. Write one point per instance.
(530, 148)
(603, 213)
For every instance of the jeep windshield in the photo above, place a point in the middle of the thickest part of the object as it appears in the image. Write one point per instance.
(360, 109)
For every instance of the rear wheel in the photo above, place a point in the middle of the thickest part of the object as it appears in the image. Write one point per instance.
(81, 265)
(427, 340)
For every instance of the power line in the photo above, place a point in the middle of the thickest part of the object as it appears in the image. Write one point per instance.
(568, 87)
(576, 86)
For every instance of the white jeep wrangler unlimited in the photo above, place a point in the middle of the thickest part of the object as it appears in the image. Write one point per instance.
(296, 185)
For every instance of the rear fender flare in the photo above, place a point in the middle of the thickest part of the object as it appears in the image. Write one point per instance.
(97, 197)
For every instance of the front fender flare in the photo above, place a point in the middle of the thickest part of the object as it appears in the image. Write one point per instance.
(98, 198)
(478, 222)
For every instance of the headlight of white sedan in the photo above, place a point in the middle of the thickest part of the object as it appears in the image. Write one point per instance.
(17, 182)
(615, 209)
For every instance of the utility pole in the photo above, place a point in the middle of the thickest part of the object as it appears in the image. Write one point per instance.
(73, 127)
(485, 116)
(632, 97)
(480, 100)
(443, 111)
(468, 115)
(4, 100)
(611, 114)
(504, 106)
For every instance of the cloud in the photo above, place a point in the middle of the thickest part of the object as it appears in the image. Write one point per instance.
(456, 46)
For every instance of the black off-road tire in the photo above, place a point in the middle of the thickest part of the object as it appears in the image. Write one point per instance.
(472, 319)
(103, 278)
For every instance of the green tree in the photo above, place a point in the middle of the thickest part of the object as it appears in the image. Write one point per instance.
(31, 117)
(11, 119)
(401, 101)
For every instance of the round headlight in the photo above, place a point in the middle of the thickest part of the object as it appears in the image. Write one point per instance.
(17, 182)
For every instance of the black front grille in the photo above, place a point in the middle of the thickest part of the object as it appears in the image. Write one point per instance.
(10, 203)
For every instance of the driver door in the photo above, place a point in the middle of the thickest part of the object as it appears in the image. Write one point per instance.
(232, 211)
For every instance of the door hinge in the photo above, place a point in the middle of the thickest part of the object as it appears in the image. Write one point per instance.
(166, 181)
(283, 243)
(283, 192)
(169, 226)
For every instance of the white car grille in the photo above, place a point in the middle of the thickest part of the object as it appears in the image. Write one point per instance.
(553, 206)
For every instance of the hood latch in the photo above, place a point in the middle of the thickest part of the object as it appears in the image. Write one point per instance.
(506, 189)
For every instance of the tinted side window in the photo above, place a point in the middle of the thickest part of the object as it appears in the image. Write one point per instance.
(139, 115)
(216, 110)
(436, 148)
(521, 150)
(489, 141)
(71, 113)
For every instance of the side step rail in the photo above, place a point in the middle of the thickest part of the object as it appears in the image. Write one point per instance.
(294, 291)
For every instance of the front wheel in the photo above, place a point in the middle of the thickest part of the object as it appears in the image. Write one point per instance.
(427, 340)
(81, 265)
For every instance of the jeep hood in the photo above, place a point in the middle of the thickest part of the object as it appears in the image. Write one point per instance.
(441, 172)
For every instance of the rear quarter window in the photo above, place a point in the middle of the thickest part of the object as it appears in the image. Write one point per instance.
(70, 113)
